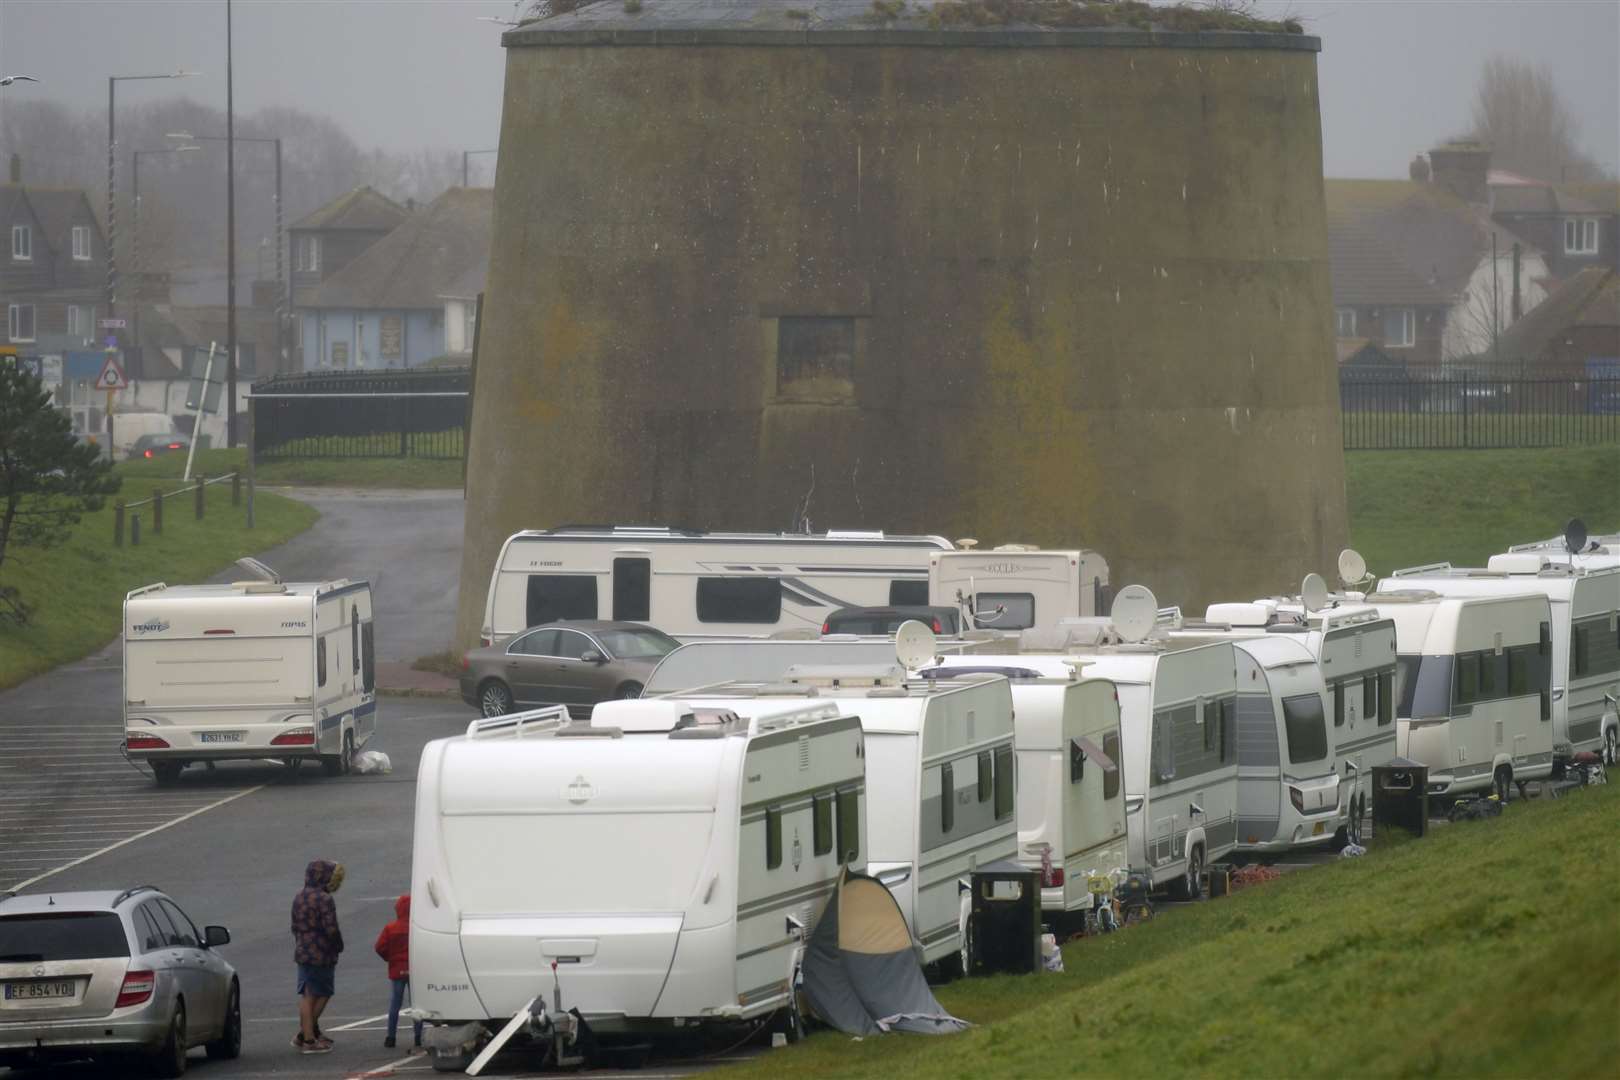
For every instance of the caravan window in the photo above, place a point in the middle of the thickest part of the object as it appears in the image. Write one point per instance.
(773, 838)
(1467, 678)
(632, 589)
(1578, 645)
(1077, 762)
(1369, 695)
(1338, 704)
(369, 664)
(1386, 698)
(560, 596)
(1489, 685)
(1111, 776)
(1518, 670)
(947, 797)
(1162, 756)
(320, 663)
(986, 784)
(908, 594)
(1306, 727)
(849, 826)
(1425, 686)
(1016, 611)
(354, 637)
(739, 600)
(822, 812)
(1004, 782)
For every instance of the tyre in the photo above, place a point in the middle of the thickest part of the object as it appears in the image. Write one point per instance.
(1502, 783)
(170, 1060)
(494, 699)
(229, 1044)
(1355, 820)
(346, 764)
(1191, 885)
(1611, 748)
(166, 772)
(628, 690)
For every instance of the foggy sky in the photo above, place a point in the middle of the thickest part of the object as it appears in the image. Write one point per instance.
(1396, 75)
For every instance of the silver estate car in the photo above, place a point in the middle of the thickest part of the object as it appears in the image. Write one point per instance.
(113, 975)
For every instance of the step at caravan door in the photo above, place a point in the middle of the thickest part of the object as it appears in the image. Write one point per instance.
(607, 965)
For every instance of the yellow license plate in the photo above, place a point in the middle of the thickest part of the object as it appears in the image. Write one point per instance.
(1099, 884)
(1321, 827)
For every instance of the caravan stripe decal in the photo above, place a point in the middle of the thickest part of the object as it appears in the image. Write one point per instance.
(785, 898)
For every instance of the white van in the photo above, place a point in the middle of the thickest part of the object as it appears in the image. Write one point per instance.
(694, 584)
(661, 865)
(252, 669)
(1015, 587)
(1584, 593)
(1473, 686)
(128, 427)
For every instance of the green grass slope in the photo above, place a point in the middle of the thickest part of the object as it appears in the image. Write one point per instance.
(360, 472)
(1409, 507)
(1488, 948)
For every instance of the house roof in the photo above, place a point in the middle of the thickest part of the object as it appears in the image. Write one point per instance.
(1538, 199)
(413, 266)
(55, 208)
(469, 284)
(1401, 242)
(1589, 299)
(364, 208)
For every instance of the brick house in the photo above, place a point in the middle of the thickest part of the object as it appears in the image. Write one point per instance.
(53, 267)
(324, 242)
(1578, 227)
(1575, 332)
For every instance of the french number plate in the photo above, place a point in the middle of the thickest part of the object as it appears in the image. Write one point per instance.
(220, 736)
(38, 991)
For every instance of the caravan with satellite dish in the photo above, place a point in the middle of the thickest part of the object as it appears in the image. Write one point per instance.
(1576, 547)
(660, 866)
(1015, 586)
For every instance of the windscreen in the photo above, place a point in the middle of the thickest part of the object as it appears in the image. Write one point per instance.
(648, 644)
(1423, 686)
(218, 671)
(68, 935)
(1307, 728)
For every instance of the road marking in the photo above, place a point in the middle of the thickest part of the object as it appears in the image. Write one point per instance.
(359, 1023)
(380, 1070)
(138, 836)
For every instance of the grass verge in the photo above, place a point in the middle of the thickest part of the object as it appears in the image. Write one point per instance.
(1410, 507)
(379, 472)
(78, 587)
(1488, 948)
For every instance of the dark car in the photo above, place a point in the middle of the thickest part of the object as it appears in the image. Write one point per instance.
(575, 663)
(151, 446)
(885, 620)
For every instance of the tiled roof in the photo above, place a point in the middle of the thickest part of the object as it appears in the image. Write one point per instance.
(413, 266)
(1401, 242)
(56, 209)
(1590, 298)
(469, 284)
(364, 208)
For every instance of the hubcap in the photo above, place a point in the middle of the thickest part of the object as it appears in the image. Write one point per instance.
(494, 702)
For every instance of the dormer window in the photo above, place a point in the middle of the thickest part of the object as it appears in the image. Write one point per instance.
(22, 243)
(81, 242)
(307, 253)
(1580, 236)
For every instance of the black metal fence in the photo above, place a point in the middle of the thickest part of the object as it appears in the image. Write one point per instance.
(1411, 412)
(421, 413)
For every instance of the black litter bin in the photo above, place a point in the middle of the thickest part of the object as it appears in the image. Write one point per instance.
(1004, 931)
(1401, 796)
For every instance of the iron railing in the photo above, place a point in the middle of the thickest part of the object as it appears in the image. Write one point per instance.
(1477, 412)
(349, 414)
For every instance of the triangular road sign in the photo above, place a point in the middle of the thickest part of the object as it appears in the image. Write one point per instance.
(112, 375)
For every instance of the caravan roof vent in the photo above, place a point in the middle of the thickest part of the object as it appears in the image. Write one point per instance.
(1015, 547)
(642, 716)
(854, 534)
(258, 588)
(1523, 563)
(855, 675)
(1258, 613)
(1404, 596)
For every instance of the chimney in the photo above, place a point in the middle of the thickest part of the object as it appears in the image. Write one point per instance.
(1418, 170)
(16, 168)
(1462, 168)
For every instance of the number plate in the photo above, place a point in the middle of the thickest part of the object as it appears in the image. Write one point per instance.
(220, 736)
(37, 991)
(1321, 827)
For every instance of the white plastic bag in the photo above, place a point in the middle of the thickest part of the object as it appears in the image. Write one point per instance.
(1051, 955)
(366, 762)
(1351, 851)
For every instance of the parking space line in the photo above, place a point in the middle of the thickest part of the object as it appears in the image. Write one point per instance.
(359, 1023)
(138, 836)
(380, 1070)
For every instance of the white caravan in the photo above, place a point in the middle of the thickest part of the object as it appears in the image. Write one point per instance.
(700, 584)
(1015, 586)
(1071, 805)
(661, 865)
(1473, 686)
(700, 663)
(940, 773)
(1585, 597)
(252, 669)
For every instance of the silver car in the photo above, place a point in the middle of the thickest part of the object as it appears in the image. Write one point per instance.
(113, 975)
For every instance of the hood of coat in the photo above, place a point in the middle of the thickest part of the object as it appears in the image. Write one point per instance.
(402, 907)
(318, 874)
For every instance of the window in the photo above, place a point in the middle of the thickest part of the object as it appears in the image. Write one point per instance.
(307, 253)
(166, 932)
(20, 322)
(849, 826)
(643, 643)
(1400, 327)
(815, 356)
(538, 643)
(1212, 726)
(1077, 762)
(22, 243)
(1004, 782)
(320, 663)
(354, 636)
(1111, 776)
(1468, 678)
(1345, 322)
(1369, 695)
(81, 242)
(986, 784)
(187, 931)
(773, 838)
(50, 936)
(632, 589)
(1004, 611)
(368, 670)
(1488, 682)
(822, 814)
(1386, 698)
(739, 600)
(469, 327)
(1518, 671)
(1162, 754)
(151, 935)
(560, 596)
(947, 798)
(1338, 704)
(1306, 728)
(908, 593)
(572, 645)
(1544, 645)
(78, 321)
(1580, 236)
(1578, 646)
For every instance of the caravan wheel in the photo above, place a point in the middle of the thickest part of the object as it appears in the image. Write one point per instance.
(1191, 885)
(1611, 752)
(1356, 810)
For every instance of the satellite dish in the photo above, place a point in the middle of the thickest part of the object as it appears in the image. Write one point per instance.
(1575, 536)
(914, 645)
(1135, 612)
(1313, 592)
(1352, 567)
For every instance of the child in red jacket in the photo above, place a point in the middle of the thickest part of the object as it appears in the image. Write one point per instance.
(394, 946)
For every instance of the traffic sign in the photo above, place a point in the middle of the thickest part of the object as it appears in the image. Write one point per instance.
(112, 375)
(114, 324)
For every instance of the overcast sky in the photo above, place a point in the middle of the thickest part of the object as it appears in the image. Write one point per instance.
(1396, 75)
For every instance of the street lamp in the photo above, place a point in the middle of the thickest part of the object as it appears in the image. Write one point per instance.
(112, 205)
(135, 222)
(465, 154)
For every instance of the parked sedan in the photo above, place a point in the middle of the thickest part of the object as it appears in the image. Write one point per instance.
(575, 663)
(113, 976)
(886, 620)
(151, 446)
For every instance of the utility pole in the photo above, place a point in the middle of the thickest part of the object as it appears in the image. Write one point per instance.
(230, 239)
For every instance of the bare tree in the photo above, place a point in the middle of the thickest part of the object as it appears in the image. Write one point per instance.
(1528, 124)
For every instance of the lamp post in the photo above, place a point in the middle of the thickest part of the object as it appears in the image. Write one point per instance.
(112, 205)
(135, 222)
(465, 154)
